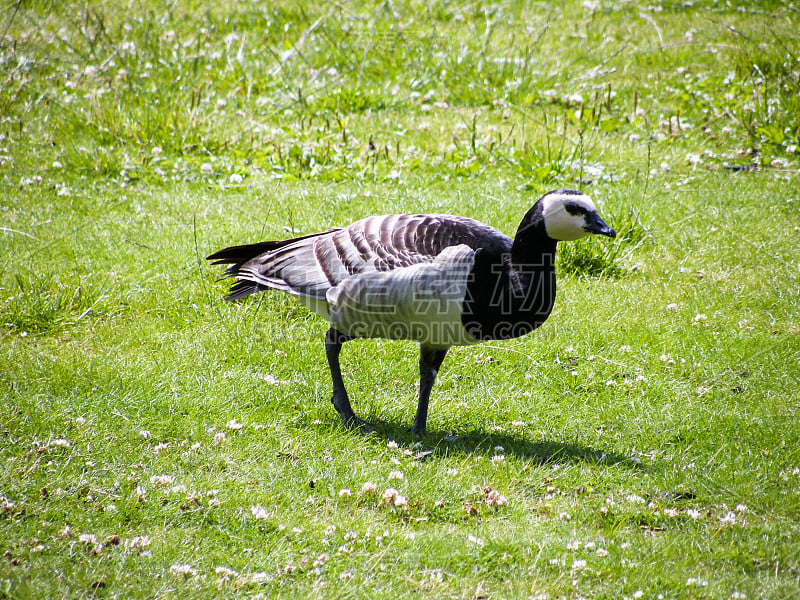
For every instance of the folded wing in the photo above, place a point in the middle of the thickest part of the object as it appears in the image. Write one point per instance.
(310, 266)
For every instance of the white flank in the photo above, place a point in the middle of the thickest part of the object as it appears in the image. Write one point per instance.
(422, 302)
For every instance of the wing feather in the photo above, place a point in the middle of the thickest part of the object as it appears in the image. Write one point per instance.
(311, 265)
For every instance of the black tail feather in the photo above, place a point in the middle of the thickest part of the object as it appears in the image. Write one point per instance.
(238, 255)
(242, 289)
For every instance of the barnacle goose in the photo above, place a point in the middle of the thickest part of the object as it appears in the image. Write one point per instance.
(440, 280)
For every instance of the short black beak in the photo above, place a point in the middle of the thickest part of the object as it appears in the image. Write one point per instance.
(597, 225)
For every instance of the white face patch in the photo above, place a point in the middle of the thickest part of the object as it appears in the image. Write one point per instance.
(559, 223)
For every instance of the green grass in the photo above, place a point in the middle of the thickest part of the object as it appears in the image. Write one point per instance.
(645, 438)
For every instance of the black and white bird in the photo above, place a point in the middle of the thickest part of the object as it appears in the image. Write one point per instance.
(440, 280)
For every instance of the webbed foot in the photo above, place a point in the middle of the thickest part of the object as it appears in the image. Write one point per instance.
(354, 423)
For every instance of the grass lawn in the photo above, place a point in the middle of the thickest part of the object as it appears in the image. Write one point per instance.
(158, 442)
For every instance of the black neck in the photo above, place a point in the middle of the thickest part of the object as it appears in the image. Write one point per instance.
(532, 247)
(512, 293)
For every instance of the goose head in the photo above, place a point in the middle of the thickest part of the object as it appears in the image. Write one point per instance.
(569, 215)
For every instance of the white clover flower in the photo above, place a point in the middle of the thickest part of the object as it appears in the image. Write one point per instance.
(344, 493)
(573, 99)
(392, 497)
(259, 512)
(219, 438)
(127, 47)
(225, 572)
(693, 514)
(141, 494)
(495, 499)
(138, 542)
(398, 475)
(578, 564)
(144, 433)
(321, 559)
(369, 488)
(235, 179)
(779, 163)
(233, 425)
(182, 571)
(89, 539)
(59, 443)
(162, 480)
(271, 379)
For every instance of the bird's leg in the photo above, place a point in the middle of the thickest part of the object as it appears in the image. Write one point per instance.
(430, 359)
(333, 346)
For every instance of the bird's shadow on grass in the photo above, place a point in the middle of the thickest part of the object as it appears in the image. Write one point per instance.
(478, 442)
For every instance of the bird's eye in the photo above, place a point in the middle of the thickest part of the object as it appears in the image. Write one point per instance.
(574, 208)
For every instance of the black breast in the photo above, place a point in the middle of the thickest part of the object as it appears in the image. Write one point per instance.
(506, 300)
